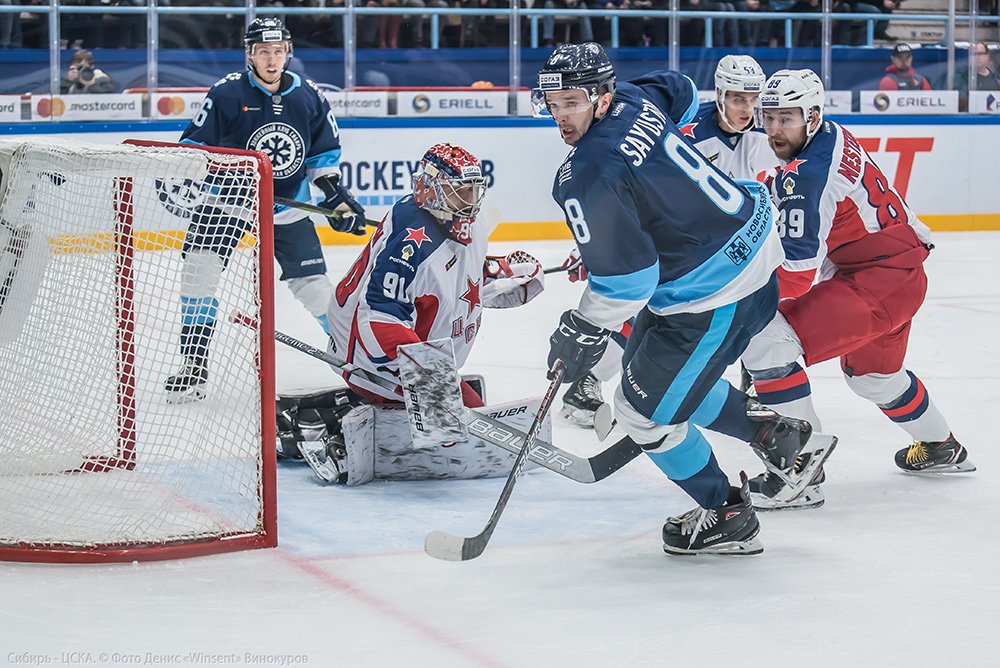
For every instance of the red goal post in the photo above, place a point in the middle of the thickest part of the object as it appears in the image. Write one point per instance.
(96, 465)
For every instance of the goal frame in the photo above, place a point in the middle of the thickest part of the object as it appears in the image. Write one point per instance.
(125, 457)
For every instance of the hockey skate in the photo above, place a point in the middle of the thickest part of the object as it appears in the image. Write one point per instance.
(767, 492)
(730, 529)
(791, 452)
(581, 401)
(947, 456)
(327, 458)
(188, 384)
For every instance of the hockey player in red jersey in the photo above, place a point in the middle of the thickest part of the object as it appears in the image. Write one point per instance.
(852, 280)
(424, 276)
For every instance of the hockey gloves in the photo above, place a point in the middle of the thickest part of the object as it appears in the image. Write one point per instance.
(574, 267)
(349, 216)
(579, 343)
(511, 280)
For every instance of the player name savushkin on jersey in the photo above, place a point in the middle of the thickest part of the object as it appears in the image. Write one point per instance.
(637, 143)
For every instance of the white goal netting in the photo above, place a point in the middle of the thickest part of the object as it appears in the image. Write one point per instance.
(94, 454)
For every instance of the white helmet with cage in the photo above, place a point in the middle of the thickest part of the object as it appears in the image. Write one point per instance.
(796, 89)
(737, 74)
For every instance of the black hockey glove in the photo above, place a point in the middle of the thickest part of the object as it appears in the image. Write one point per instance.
(578, 343)
(350, 216)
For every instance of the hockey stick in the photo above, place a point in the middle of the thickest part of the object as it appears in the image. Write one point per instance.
(581, 469)
(442, 545)
(312, 208)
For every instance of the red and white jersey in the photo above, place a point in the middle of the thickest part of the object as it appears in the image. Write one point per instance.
(411, 283)
(739, 155)
(830, 195)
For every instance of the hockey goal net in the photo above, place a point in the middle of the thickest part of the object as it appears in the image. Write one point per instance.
(96, 463)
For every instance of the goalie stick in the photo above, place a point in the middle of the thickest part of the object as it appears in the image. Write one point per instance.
(449, 547)
(581, 469)
(312, 208)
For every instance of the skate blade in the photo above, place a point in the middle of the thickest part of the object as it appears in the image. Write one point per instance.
(187, 396)
(577, 416)
(820, 448)
(965, 467)
(805, 501)
(744, 548)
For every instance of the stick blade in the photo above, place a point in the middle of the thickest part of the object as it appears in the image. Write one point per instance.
(448, 547)
(604, 421)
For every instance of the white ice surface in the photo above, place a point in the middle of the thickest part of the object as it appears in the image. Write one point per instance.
(892, 571)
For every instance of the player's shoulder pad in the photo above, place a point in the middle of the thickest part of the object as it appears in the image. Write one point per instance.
(415, 235)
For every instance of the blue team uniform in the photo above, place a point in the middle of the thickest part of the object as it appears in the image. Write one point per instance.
(297, 130)
(665, 234)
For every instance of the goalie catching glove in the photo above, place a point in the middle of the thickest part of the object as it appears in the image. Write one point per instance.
(511, 280)
(350, 216)
(579, 343)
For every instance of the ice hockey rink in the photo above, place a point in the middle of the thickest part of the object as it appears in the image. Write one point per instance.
(893, 571)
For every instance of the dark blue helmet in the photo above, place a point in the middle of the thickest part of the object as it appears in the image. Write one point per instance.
(584, 66)
(269, 29)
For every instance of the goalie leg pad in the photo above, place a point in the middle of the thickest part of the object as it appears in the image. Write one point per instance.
(397, 458)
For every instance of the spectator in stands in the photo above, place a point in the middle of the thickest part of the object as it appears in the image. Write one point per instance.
(986, 76)
(855, 33)
(10, 27)
(629, 30)
(753, 32)
(884, 7)
(413, 26)
(901, 75)
(84, 77)
(585, 32)
(654, 29)
(724, 31)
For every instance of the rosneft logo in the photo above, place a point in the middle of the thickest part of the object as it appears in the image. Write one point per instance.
(170, 105)
(51, 107)
(421, 103)
(881, 101)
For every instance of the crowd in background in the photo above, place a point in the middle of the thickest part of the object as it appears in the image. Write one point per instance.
(407, 31)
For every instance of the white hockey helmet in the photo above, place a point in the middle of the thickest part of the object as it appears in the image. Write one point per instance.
(796, 89)
(739, 74)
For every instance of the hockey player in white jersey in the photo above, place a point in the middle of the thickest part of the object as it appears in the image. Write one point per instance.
(851, 282)
(725, 132)
(423, 276)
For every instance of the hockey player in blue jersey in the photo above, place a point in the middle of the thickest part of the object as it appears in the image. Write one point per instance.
(670, 239)
(724, 132)
(268, 109)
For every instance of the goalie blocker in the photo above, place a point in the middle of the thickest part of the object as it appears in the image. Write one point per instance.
(345, 441)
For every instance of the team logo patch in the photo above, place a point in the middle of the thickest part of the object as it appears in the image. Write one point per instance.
(688, 130)
(283, 145)
(792, 167)
(471, 295)
(417, 236)
(788, 185)
(738, 252)
(407, 251)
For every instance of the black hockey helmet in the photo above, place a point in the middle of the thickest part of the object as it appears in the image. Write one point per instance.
(584, 66)
(268, 29)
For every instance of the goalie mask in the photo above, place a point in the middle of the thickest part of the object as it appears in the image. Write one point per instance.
(737, 74)
(583, 66)
(450, 184)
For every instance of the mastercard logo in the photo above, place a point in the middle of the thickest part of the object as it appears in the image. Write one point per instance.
(51, 107)
(168, 106)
